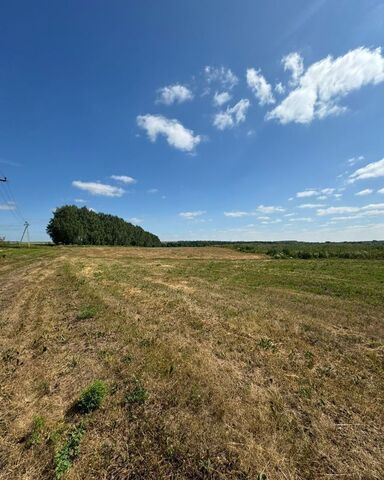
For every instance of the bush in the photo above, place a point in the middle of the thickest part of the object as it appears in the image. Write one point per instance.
(92, 397)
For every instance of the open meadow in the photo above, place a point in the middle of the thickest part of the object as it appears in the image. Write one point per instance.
(209, 363)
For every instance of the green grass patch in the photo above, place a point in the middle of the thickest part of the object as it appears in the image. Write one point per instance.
(68, 452)
(38, 431)
(359, 280)
(87, 312)
(137, 394)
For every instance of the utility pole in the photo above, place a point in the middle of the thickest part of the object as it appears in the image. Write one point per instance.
(26, 225)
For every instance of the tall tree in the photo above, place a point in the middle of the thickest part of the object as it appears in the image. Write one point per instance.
(81, 226)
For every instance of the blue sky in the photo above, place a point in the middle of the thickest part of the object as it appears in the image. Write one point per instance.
(197, 120)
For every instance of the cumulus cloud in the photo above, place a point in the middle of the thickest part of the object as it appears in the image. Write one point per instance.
(174, 94)
(306, 193)
(381, 190)
(259, 86)
(260, 209)
(192, 215)
(354, 160)
(220, 99)
(236, 214)
(269, 209)
(325, 82)
(123, 179)
(301, 219)
(372, 208)
(279, 88)
(366, 191)
(311, 205)
(96, 188)
(267, 222)
(372, 170)
(224, 76)
(135, 220)
(232, 115)
(321, 193)
(293, 62)
(175, 133)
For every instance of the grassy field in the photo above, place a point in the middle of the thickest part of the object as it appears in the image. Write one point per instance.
(209, 363)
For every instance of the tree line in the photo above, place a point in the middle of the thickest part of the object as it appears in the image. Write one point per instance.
(71, 225)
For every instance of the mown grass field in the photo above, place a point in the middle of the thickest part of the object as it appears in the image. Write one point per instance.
(218, 364)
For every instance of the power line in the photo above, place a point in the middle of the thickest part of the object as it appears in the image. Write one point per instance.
(13, 201)
(10, 201)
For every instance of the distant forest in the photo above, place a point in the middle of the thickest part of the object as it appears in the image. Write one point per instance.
(71, 225)
(294, 249)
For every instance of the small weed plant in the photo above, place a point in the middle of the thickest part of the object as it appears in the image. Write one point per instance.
(137, 394)
(37, 431)
(68, 452)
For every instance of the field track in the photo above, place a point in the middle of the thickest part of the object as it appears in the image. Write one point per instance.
(250, 365)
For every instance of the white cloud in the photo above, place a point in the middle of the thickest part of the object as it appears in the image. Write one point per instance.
(174, 94)
(381, 190)
(373, 208)
(96, 188)
(301, 219)
(279, 88)
(220, 98)
(236, 214)
(269, 209)
(152, 191)
(175, 133)
(321, 193)
(259, 86)
(307, 193)
(372, 170)
(336, 210)
(354, 160)
(232, 116)
(123, 179)
(135, 220)
(294, 63)
(192, 215)
(260, 209)
(311, 205)
(327, 191)
(362, 193)
(271, 222)
(223, 76)
(8, 206)
(79, 200)
(325, 82)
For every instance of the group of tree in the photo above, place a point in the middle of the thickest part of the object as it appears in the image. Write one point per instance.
(71, 225)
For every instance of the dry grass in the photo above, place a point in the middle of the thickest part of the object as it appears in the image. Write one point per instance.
(219, 364)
